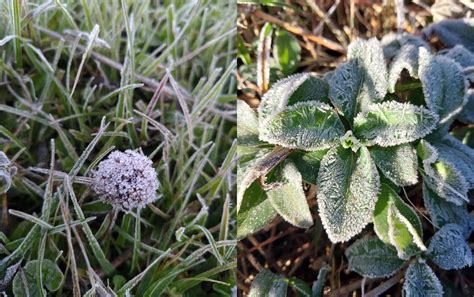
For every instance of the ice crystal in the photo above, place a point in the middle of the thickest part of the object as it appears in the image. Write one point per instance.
(126, 180)
(421, 281)
(448, 248)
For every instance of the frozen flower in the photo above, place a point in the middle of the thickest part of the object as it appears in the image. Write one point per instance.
(126, 180)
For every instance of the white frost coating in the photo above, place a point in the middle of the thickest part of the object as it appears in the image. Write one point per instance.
(442, 176)
(414, 233)
(397, 163)
(392, 123)
(126, 180)
(276, 99)
(397, 234)
(448, 249)
(348, 187)
(458, 154)
(307, 125)
(370, 54)
(247, 124)
(443, 212)
(407, 58)
(420, 281)
(289, 200)
(371, 258)
(443, 83)
(262, 284)
(467, 113)
(345, 86)
(461, 55)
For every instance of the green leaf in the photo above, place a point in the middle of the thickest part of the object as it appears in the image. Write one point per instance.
(421, 281)
(406, 58)
(392, 123)
(348, 187)
(288, 91)
(402, 234)
(247, 125)
(300, 286)
(441, 175)
(397, 163)
(396, 223)
(307, 126)
(372, 258)
(255, 212)
(286, 51)
(453, 32)
(443, 85)
(318, 284)
(448, 248)
(52, 279)
(308, 164)
(268, 284)
(288, 198)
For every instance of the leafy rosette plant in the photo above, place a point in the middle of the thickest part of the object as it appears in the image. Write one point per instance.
(341, 133)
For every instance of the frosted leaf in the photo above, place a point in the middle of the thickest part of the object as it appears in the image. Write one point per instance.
(420, 281)
(360, 81)
(443, 212)
(392, 43)
(397, 163)
(290, 90)
(348, 187)
(448, 249)
(407, 58)
(248, 170)
(443, 85)
(53, 278)
(461, 55)
(402, 234)
(268, 284)
(372, 258)
(369, 53)
(441, 175)
(458, 154)
(392, 123)
(247, 125)
(453, 32)
(255, 211)
(289, 199)
(467, 113)
(392, 212)
(345, 87)
(308, 164)
(308, 126)
(7, 275)
(126, 180)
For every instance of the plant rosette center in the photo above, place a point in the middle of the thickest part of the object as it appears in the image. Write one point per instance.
(349, 140)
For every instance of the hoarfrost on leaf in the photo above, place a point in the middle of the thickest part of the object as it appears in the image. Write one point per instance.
(372, 258)
(467, 113)
(290, 90)
(441, 175)
(307, 126)
(348, 187)
(369, 53)
(7, 171)
(420, 281)
(453, 32)
(268, 284)
(392, 123)
(247, 125)
(443, 85)
(461, 55)
(398, 163)
(255, 212)
(403, 231)
(448, 248)
(289, 199)
(406, 58)
(443, 212)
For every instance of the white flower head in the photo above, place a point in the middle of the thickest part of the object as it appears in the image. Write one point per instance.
(126, 180)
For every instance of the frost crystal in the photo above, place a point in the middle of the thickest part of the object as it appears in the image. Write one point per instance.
(126, 180)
